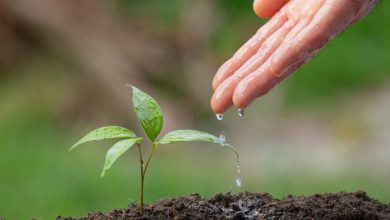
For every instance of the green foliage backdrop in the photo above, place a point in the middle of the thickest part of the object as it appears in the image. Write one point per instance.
(64, 72)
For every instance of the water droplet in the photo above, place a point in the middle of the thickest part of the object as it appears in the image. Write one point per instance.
(239, 178)
(222, 139)
(241, 112)
(219, 117)
(239, 181)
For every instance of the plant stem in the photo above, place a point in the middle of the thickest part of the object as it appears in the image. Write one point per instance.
(143, 172)
(142, 179)
(150, 157)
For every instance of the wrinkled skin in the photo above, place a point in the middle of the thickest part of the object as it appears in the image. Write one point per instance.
(295, 33)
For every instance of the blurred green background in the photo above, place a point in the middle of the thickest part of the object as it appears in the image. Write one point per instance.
(63, 67)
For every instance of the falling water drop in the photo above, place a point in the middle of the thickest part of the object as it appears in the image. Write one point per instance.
(222, 142)
(241, 112)
(239, 181)
(219, 117)
(239, 178)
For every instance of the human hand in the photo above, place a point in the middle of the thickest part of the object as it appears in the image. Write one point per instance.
(296, 32)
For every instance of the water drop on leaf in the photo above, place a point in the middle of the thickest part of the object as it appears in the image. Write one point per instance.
(222, 140)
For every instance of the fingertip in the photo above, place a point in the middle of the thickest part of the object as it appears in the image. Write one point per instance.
(216, 107)
(258, 7)
(240, 99)
(238, 103)
(242, 95)
(252, 87)
(267, 8)
(222, 97)
(216, 104)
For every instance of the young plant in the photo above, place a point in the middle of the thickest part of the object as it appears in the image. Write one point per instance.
(150, 117)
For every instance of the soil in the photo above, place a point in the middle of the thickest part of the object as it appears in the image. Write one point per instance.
(330, 206)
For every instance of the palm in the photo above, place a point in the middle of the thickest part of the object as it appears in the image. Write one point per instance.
(281, 46)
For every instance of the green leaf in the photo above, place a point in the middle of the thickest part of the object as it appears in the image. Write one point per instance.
(148, 112)
(104, 133)
(116, 151)
(188, 135)
(193, 135)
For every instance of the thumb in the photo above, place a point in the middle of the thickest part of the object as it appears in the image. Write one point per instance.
(267, 8)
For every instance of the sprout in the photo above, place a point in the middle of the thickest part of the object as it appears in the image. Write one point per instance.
(150, 116)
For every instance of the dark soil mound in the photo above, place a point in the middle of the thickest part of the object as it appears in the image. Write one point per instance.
(332, 206)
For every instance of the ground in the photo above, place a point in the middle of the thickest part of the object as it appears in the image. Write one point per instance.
(330, 206)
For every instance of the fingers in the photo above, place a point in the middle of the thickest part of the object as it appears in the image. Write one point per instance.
(294, 52)
(280, 47)
(267, 8)
(222, 97)
(248, 49)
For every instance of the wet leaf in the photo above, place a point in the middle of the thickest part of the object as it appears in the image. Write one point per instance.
(188, 135)
(148, 112)
(193, 135)
(116, 151)
(103, 133)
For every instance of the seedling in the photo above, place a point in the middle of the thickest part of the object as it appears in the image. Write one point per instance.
(150, 117)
